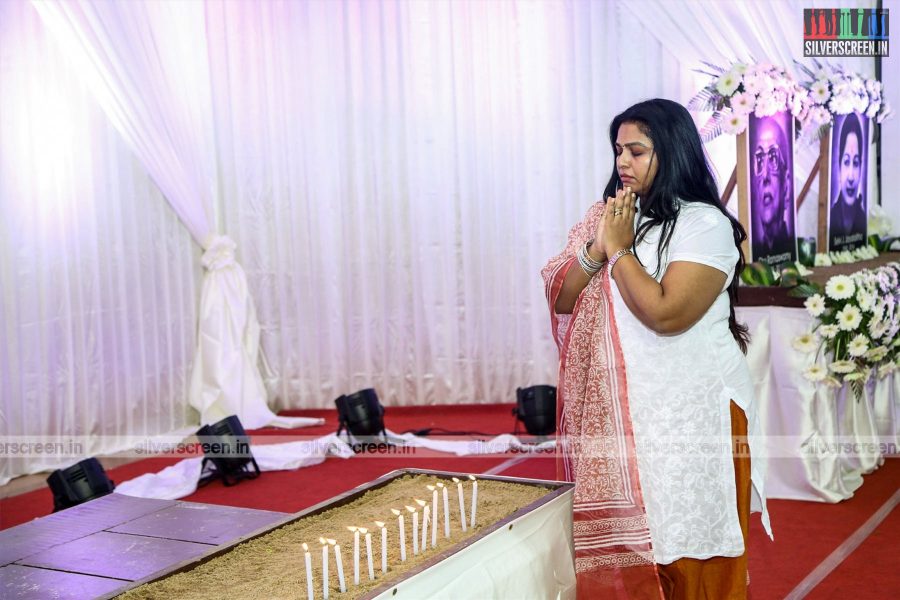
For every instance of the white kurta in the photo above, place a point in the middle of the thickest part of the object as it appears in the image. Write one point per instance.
(679, 393)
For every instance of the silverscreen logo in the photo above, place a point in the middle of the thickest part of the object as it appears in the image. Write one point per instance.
(845, 32)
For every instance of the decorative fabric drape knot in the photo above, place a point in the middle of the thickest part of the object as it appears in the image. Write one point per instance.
(219, 252)
(225, 378)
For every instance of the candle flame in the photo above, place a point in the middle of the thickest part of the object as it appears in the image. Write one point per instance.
(410, 509)
(332, 542)
(455, 480)
(323, 541)
(351, 528)
(380, 523)
(305, 547)
(396, 512)
(440, 485)
(430, 488)
(472, 477)
(363, 530)
(420, 502)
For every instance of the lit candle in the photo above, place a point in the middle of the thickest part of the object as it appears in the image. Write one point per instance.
(355, 554)
(426, 519)
(309, 583)
(402, 534)
(446, 511)
(340, 564)
(415, 535)
(462, 503)
(368, 535)
(474, 500)
(324, 567)
(434, 515)
(383, 546)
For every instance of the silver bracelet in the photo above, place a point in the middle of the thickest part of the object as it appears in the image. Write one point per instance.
(615, 258)
(590, 266)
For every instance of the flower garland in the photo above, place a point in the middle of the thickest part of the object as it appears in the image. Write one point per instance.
(858, 319)
(833, 91)
(762, 89)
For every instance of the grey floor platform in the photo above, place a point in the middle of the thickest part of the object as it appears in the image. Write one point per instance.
(94, 548)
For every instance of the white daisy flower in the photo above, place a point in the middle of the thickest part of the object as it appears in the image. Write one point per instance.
(728, 83)
(849, 318)
(832, 382)
(865, 299)
(886, 369)
(820, 92)
(858, 346)
(828, 331)
(854, 376)
(743, 103)
(877, 328)
(734, 123)
(840, 287)
(805, 343)
(842, 366)
(815, 305)
(815, 373)
(876, 354)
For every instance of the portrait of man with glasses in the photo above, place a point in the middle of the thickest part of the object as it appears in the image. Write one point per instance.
(772, 236)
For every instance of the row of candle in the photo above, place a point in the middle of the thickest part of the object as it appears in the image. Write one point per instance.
(429, 518)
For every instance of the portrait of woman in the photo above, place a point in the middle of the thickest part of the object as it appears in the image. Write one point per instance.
(848, 215)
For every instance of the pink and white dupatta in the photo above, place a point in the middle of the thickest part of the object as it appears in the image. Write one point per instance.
(613, 552)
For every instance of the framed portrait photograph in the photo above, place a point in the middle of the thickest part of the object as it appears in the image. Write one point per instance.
(848, 201)
(773, 238)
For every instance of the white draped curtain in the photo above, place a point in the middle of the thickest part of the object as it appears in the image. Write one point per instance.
(393, 175)
(98, 279)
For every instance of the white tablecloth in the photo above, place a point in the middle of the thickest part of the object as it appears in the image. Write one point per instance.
(820, 441)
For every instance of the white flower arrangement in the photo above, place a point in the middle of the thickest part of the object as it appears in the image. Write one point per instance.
(762, 89)
(834, 91)
(857, 325)
(845, 257)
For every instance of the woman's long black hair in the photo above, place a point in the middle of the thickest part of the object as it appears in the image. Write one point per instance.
(683, 173)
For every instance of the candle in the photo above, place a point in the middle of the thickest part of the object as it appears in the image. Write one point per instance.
(383, 546)
(446, 511)
(434, 515)
(340, 564)
(415, 535)
(425, 521)
(309, 583)
(355, 554)
(368, 535)
(402, 534)
(474, 499)
(324, 568)
(462, 503)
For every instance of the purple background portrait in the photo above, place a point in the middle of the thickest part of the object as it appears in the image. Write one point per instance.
(773, 237)
(847, 222)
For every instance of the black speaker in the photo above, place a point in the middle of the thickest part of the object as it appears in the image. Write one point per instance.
(360, 413)
(79, 483)
(226, 450)
(536, 408)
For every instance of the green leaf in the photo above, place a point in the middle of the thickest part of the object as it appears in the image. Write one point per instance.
(804, 290)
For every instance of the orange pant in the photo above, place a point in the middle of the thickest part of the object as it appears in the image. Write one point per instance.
(720, 577)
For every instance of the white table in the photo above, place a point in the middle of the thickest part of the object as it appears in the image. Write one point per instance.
(820, 441)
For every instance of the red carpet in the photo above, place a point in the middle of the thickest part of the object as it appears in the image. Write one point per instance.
(805, 532)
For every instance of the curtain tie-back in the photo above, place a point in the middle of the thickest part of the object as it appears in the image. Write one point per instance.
(219, 252)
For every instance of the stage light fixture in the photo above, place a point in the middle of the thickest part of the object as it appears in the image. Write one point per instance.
(226, 450)
(536, 408)
(361, 414)
(79, 483)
